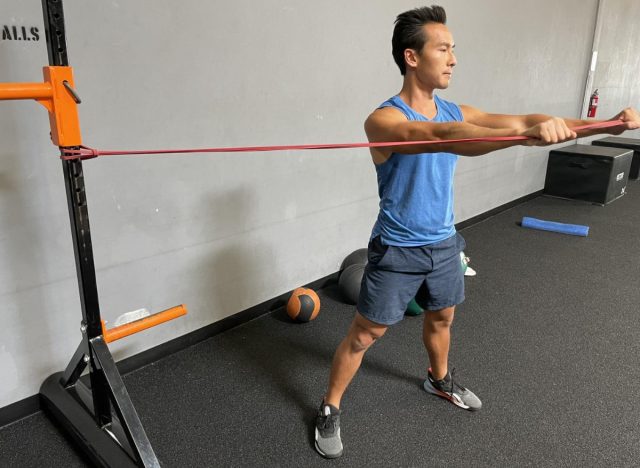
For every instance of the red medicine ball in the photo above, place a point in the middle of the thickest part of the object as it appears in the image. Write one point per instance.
(303, 305)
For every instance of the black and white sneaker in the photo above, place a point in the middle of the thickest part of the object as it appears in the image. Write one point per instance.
(452, 391)
(328, 442)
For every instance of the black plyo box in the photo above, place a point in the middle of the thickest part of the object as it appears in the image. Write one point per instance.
(628, 143)
(597, 174)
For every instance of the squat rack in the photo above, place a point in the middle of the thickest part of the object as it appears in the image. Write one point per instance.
(100, 416)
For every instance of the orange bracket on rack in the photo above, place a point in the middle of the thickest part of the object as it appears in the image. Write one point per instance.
(58, 96)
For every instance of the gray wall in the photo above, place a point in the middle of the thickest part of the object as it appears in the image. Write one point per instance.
(616, 76)
(222, 233)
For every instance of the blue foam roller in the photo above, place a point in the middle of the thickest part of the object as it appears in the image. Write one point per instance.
(573, 229)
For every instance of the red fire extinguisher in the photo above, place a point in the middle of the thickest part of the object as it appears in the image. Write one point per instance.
(593, 104)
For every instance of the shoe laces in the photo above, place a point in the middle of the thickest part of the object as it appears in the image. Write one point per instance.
(450, 385)
(329, 421)
(453, 384)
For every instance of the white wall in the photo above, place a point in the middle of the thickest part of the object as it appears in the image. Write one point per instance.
(224, 232)
(616, 76)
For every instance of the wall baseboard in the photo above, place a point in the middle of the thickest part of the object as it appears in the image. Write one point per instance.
(488, 214)
(31, 405)
(151, 355)
(19, 410)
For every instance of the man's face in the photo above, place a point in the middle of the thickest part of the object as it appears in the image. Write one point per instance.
(434, 63)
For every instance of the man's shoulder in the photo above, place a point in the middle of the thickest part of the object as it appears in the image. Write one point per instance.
(386, 113)
(391, 102)
(393, 108)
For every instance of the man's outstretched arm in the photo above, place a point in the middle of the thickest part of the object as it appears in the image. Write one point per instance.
(389, 124)
(475, 116)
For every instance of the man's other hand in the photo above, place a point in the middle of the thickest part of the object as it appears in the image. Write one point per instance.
(631, 119)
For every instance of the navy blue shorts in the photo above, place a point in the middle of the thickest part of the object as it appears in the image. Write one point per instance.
(393, 276)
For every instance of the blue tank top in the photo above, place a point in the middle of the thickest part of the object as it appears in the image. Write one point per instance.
(416, 190)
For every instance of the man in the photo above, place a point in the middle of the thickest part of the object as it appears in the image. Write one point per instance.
(414, 249)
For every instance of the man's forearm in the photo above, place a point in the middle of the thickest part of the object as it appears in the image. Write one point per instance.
(455, 131)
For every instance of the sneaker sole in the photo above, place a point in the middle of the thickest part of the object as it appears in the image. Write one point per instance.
(326, 455)
(452, 398)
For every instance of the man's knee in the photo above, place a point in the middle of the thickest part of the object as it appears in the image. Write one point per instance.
(364, 333)
(442, 318)
(361, 340)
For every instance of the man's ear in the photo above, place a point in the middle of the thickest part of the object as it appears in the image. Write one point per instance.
(411, 58)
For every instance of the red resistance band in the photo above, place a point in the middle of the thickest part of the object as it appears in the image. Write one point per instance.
(87, 153)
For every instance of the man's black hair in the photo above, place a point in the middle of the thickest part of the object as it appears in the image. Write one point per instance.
(408, 32)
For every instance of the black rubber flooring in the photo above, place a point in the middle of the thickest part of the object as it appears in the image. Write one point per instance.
(548, 338)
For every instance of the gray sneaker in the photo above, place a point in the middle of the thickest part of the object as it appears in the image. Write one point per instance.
(452, 391)
(328, 443)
